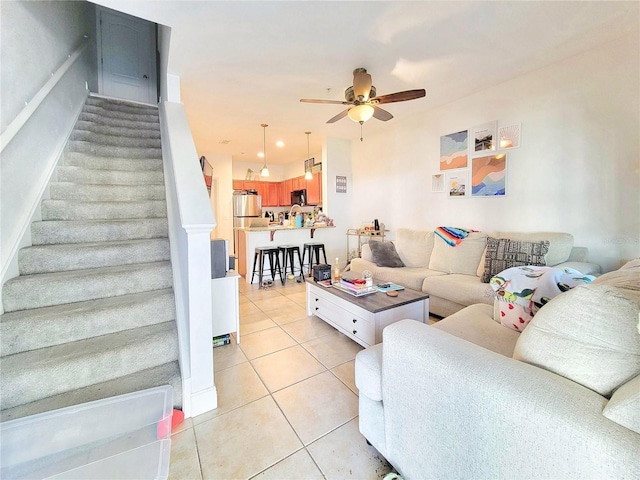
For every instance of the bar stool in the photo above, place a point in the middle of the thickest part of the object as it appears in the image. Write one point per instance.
(258, 263)
(313, 247)
(287, 254)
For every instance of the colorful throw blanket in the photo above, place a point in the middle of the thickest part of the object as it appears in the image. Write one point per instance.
(452, 235)
(522, 291)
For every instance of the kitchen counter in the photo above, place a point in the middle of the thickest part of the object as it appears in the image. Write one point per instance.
(251, 237)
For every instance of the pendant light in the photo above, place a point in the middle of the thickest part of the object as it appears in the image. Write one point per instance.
(308, 175)
(265, 171)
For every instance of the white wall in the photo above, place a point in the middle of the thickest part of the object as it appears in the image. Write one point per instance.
(36, 38)
(221, 167)
(577, 169)
(276, 172)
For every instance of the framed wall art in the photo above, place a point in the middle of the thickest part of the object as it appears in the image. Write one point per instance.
(489, 176)
(484, 137)
(437, 182)
(509, 136)
(454, 150)
(457, 184)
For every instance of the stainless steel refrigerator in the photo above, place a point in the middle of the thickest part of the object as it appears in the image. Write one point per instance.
(246, 207)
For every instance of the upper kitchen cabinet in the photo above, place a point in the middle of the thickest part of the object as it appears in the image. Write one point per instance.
(299, 183)
(270, 195)
(238, 184)
(284, 193)
(314, 189)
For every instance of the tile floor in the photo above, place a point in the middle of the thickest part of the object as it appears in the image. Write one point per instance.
(287, 401)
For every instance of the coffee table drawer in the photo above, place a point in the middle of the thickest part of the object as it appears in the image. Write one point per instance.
(349, 323)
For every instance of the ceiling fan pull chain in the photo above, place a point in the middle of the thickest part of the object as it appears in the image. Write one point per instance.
(361, 123)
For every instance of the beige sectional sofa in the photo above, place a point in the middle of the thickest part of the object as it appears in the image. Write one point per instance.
(452, 275)
(469, 398)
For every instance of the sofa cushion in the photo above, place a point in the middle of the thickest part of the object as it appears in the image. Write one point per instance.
(409, 277)
(414, 246)
(475, 324)
(461, 289)
(385, 255)
(560, 244)
(463, 258)
(587, 335)
(624, 406)
(504, 253)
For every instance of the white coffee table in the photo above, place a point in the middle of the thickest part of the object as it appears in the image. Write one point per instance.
(363, 318)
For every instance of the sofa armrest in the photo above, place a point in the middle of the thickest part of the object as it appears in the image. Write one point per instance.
(454, 409)
(585, 268)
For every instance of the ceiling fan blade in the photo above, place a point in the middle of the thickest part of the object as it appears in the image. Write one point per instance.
(361, 84)
(400, 96)
(332, 102)
(338, 116)
(381, 114)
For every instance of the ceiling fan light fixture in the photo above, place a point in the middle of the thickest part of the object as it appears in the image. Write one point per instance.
(265, 171)
(360, 113)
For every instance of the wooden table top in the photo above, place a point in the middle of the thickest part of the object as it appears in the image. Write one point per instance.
(375, 302)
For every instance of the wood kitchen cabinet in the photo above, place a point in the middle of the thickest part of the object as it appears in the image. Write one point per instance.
(284, 193)
(238, 184)
(299, 183)
(270, 197)
(314, 189)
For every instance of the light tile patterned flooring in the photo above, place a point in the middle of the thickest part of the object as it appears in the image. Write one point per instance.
(287, 401)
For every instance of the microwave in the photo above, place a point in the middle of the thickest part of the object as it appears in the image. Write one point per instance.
(299, 197)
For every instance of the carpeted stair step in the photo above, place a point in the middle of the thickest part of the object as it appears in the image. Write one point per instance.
(66, 257)
(121, 105)
(66, 173)
(78, 159)
(26, 330)
(105, 193)
(108, 151)
(118, 122)
(87, 231)
(165, 374)
(143, 116)
(113, 140)
(38, 374)
(47, 289)
(83, 125)
(71, 210)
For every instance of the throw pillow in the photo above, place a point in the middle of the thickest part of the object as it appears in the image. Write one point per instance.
(385, 255)
(587, 335)
(503, 253)
(522, 291)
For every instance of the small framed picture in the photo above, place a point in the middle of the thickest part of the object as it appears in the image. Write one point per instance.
(437, 182)
(457, 184)
(509, 136)
(341, 184)
(484, 137)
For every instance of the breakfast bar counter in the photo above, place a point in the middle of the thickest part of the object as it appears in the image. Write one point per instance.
(249, 238)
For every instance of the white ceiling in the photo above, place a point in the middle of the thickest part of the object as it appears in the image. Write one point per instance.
(246, 63)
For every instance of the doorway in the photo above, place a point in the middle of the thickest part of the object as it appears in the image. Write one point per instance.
(126, 57)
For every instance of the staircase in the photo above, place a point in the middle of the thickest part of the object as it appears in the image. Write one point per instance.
(92, 313)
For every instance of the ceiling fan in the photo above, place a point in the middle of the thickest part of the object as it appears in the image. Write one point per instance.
(363, 101)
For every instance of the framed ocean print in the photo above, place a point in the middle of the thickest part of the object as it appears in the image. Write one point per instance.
(457, 184)
(454, 150)
(484, 137)
(489, 176)
(509, 136)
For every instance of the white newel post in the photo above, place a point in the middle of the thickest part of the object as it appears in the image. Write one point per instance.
(203, 391)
